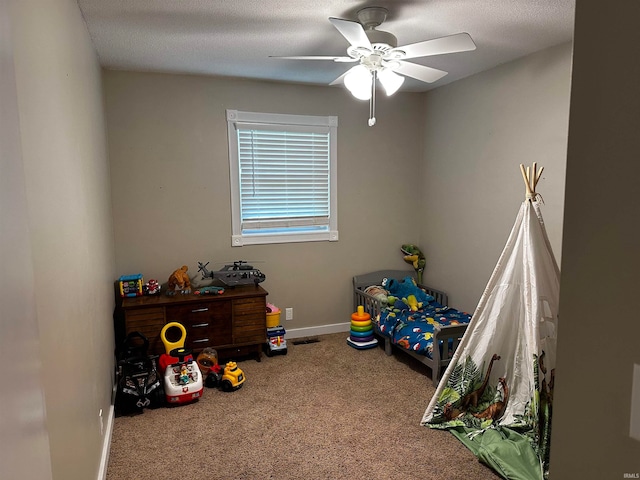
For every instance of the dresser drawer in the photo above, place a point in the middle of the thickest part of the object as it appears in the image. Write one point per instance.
(202, 315)
(249, 320)
(207, 324)
(249, 306)
(196, 311)
(149, 322)
(249, 328)
(249, 337)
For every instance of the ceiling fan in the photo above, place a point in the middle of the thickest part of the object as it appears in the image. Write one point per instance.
(379, 57)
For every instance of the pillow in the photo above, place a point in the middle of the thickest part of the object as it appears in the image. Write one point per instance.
(378, 292)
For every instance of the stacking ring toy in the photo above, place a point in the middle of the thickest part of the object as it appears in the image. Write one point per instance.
(361, 329)
(357, 323)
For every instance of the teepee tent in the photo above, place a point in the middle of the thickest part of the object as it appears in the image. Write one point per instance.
(496, 394)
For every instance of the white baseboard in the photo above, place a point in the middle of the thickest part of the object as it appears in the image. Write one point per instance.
(321, 330)
(106, 444)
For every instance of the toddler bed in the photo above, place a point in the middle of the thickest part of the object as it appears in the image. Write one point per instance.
(413, 332)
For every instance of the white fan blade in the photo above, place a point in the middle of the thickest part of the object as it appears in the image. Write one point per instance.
(340, 79)
(420, 72)
(460, 42)
(352, 31)
(318, 57)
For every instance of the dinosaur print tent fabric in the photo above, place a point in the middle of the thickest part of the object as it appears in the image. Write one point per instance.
(496, 394)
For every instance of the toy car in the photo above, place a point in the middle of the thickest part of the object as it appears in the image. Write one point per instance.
(182, 379)
(232, 377)
(276, 343)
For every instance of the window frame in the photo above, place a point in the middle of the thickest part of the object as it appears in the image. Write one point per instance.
(237, 118)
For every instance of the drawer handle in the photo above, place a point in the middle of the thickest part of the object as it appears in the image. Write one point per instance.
(206, 309)
(202, 340)
(200, 325)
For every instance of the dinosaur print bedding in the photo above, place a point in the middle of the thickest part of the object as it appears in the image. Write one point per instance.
(413, 329)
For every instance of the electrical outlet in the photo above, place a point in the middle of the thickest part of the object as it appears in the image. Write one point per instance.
(289, 314)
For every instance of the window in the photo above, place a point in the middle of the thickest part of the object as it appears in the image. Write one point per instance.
(283, 178)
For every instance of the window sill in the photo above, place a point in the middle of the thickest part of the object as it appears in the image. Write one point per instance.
(257, 239)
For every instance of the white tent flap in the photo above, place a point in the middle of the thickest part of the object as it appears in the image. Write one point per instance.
(501, 376)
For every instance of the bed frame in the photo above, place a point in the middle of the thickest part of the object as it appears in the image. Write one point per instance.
(441, 335)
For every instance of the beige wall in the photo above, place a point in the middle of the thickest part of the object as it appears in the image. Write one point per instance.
(66, 183)
(599, 329)
(170, 185)
(23, 433)
(177, 126)
(477, 133)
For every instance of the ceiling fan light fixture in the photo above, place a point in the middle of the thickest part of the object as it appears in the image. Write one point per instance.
(358, 81)
(379, 56)
(390, 80)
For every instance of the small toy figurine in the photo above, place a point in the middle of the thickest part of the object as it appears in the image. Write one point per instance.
(152, 287)
(184, 375)
(179, 282)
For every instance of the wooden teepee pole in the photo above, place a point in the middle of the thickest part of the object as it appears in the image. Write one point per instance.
(531, 178)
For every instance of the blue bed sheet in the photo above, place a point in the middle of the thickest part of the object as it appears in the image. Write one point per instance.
(413, 330)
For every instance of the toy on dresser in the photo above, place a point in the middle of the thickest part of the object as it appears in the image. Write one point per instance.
(130, 285)
(179, 282)
(152, 287)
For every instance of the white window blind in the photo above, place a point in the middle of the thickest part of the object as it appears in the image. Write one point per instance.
(284, 176)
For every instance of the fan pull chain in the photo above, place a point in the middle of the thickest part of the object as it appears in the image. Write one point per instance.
(372, 101)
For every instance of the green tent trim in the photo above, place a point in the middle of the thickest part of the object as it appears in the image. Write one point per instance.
(509, 453)
(519, 451)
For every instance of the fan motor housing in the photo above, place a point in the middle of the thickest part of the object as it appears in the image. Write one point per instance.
(385, 38)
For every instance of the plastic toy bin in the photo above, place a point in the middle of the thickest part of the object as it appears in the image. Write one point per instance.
(273, 319)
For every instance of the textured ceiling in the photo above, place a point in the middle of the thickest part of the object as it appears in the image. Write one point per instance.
(236, 38)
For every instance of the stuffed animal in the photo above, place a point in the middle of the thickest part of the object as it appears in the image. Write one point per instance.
(414, 256)
(179, 282)
(403, 290)
(378, 292)
(413, 303)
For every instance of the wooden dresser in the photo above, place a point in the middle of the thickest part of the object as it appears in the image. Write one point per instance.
(233, 323)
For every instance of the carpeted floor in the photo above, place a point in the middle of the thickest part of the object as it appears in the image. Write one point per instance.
(323, 411)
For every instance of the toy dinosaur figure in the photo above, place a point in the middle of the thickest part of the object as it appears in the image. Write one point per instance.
(179, 281)
(495, 410)
(415, 257)
(474, 397)
(450, 412)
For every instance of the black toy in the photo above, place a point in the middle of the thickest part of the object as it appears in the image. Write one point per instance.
(240, 273)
